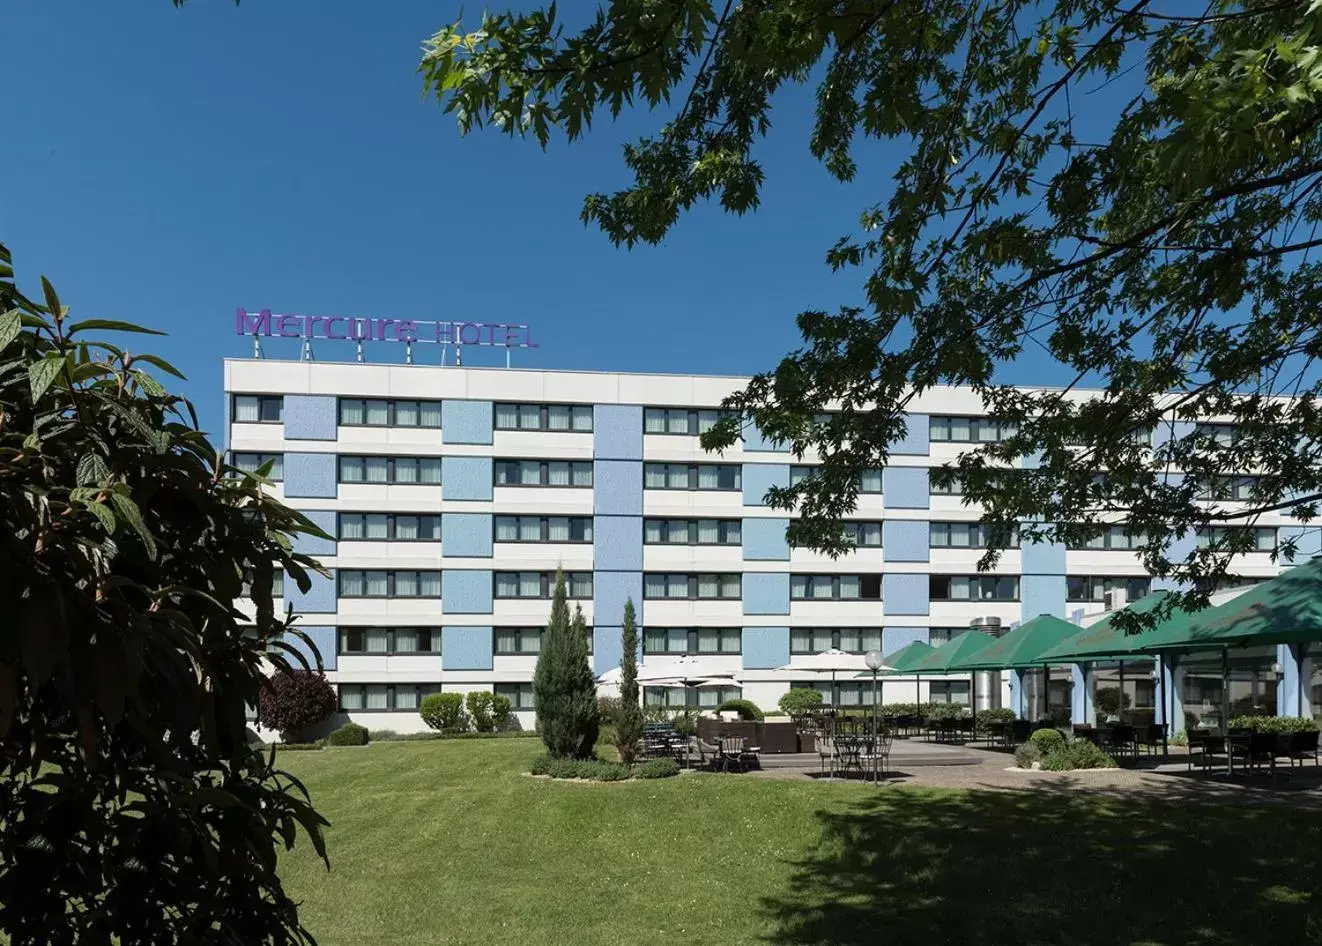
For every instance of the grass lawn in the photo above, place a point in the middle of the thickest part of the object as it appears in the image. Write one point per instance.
(446, 842)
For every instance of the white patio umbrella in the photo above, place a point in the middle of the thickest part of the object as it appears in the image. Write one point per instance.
(831, 661)
(682, 671)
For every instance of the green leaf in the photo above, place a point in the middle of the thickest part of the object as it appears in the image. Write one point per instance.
(161, 363)
(11, 323)
(128, 511)
(103, 515)
(92, 470)
(111, 325)
(149, 384)
(42, 373)
(52, 300)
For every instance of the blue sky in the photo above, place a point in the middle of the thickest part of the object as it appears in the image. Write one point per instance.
(167, 166)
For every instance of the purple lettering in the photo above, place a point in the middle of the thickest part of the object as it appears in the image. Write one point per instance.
(381, 328)
(406, 330)
(445, 332)
(360, 329)
(488, 330)
(330, 326)
(464, 338)
(290, 326)
(261, 325)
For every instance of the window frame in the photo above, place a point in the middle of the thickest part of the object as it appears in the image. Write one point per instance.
(391, 525)
(693, 420)
(1130, 581)
(693, 583)
(972, 579)
(277, 470)
(543, 473)
(976, 422)
(837, 638)
(544, 417)
(391, 468)
(1203, 540)
(519, 688)
(390, 574)
(810, 579)
(544, 530)
(983, 533)
(694, 476)
(723, 527)
(423, 691)
(692, 637)
(391, 412)
(262, 401)
(547, 583)
(392, 649)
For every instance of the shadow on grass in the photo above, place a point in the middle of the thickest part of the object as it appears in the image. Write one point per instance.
(1010, 868)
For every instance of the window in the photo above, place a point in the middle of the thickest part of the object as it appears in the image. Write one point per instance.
(679, 420)
(869, 481)
(864, 534)
(842, 587)
(570, 417)
(973, 588)
(969, 535)
(390, 640)
(277, 584)
(1091, 588)
(1225, 583)
(692, 476)
(523, 641)
(385, 697)
(249, 462)
(800, 473)
(1258, 539)
(723, 586)
(839, 693)
(541, 584)
(936, 636)
(543, 529)
(949, 691)
(1113, 538)
(424, 471)
(692, 532)
(956, 488)
(519, 694)
(692, 640)
(259, 408)
(566, 473)
(380, 412)
(1222, 435)
(1227, 488)
(971, 429)
(854, 640)
(387, 527)
(690, 698)
(383, 583)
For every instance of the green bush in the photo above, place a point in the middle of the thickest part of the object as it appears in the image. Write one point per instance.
(443, 711)
(350, 734)
(608, 710)
(1273, 724)
(1048, 741)
(800, 700)
(658, 768)
(746, 709)
(943, 710)
(986, 716)
(1077, 754)
(478, 704)
(300, 746)
(587, 769)
(1026, 755)
(1107, 701)
(1181, 738)
(389, 735)
(501, 708)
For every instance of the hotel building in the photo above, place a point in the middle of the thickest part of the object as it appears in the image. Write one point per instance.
(452, 495)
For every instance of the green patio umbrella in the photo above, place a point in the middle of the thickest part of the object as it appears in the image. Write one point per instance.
(957, 648)
(906, 655)
(1021, 647)
(1103, 640)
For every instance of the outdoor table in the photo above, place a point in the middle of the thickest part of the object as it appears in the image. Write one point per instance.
(849, 749)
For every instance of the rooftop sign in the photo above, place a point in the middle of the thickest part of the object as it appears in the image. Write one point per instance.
(360, 329)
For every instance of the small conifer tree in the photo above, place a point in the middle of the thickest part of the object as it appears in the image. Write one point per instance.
(629, 729)
(564, 689)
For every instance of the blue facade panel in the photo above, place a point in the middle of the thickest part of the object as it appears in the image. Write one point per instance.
(617, 543)
(467, 478)
(1179, 551)
(467, 421)
(764, 540)
(617, 487)
(465, 591)
(906, 540)
(754, 439)
(321, 596)
(610, 590)
(466, 535)
(325, 520)
(607, 647)
(323, 644)
(1042, 594)
(917, 438)
(466, 648)
(893, 638)
(310, 476)
(617, 432)
(766, 593)
(1043, 558)
(311, 417)
(1308, 541)
(766, 648)
(906, 487)
(905, 594)
(760, 477)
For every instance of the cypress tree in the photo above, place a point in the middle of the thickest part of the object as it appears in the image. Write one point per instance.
(564, 689)
(629, 729)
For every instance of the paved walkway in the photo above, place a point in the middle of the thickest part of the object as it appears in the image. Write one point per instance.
(982, 769)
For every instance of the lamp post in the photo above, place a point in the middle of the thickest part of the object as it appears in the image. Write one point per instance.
(874, 663)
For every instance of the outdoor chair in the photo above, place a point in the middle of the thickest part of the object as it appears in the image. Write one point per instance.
(1202, 748)
(1253, 749)
(732, 752)
(826, 754)
(710, 753)
(1020, 730)
(1124, 740)
(1303, 745)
